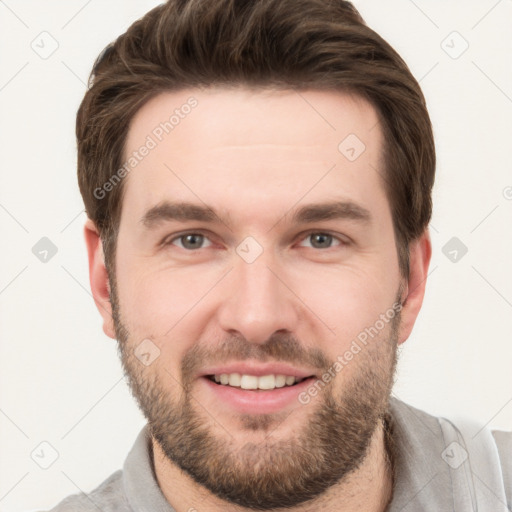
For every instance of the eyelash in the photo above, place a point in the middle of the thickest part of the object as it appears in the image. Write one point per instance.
(342, 242)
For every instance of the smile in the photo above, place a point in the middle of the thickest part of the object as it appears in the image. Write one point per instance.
(245, 381)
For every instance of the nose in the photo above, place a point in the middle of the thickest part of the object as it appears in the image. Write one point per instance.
(258, 300)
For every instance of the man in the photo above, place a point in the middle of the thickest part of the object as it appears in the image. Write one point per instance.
(257, 177)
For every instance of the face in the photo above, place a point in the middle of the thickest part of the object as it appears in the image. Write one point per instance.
(281, 264)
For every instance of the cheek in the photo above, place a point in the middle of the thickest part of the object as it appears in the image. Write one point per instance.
(158, 303)
(347, 299)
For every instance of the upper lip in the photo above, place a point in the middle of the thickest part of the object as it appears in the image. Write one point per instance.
(257, 369)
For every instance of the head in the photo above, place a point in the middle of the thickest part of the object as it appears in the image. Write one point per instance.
(257, 177)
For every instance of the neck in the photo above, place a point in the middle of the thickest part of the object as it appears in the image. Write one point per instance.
(369, 487)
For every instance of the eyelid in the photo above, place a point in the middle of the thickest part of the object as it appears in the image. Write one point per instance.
(342, 239)
(169, 239)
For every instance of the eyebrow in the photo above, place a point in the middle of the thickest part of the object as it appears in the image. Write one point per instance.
(185, 211)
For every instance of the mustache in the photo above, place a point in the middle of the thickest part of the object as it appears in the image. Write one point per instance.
(282, 347)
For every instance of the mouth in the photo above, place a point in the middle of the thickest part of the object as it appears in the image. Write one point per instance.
(256, 382)
(254, 390)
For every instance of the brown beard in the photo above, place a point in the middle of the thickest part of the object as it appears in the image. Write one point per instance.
(271, 474)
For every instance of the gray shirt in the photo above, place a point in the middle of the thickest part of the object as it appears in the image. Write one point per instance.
(433, 471)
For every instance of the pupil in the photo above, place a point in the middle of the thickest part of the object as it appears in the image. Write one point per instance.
(321, 236)
(192, 237)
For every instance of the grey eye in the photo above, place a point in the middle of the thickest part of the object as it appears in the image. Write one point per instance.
(189, 241)
(320, 240)
(192, 240)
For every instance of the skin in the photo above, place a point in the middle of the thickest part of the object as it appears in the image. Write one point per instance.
(255, 157)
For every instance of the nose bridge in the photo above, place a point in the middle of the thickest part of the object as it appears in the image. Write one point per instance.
(257, 302)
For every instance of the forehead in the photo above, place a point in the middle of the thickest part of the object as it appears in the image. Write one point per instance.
(240, 147)
(206, 117)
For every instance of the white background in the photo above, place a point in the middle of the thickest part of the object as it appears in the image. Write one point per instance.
(60, 378)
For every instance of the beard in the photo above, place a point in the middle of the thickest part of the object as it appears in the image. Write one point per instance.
(275, 473)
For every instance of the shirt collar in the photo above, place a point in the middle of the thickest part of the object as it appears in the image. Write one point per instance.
(422, 478)
(139, 479)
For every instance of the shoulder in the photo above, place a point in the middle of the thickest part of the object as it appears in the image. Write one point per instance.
(473, 459)
(503, 441)
(109, 496)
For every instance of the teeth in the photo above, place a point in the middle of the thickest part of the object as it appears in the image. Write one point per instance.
(289, 381)
(267, 382)
(280, 381)
(254, 382)
(234, 379)
(249, 382)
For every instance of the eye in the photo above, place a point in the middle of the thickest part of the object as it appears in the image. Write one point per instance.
(190, 240)
(194, 240)
(323, 240)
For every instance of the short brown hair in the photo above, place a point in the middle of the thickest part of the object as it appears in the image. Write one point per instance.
(275, 44)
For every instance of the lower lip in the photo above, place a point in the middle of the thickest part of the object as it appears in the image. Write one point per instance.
(257, 401)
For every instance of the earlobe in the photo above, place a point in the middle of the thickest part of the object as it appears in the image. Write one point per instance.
(98, 276)
(420, 252)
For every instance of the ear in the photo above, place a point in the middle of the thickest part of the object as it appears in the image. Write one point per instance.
(98, 277)
(420, 252)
